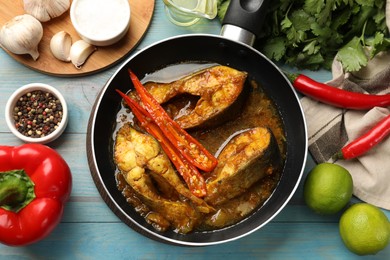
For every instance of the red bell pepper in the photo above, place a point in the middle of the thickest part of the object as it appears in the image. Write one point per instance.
(35, 183)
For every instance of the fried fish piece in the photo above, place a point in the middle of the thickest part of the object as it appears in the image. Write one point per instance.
(246, 159)
(220, 90)
(180, 215)
(137, 150)
(237, 208)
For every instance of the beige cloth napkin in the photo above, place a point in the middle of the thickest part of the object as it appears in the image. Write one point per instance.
(330, 128)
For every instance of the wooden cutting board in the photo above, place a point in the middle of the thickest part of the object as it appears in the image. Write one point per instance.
(104, 57)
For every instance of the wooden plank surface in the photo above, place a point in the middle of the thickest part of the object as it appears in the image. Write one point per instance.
(140, 18)
(89, 230)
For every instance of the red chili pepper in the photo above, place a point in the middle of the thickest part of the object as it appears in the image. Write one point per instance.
(365, 142)
(188, 146)
(35, 183)
(335, 96)
(189, 172)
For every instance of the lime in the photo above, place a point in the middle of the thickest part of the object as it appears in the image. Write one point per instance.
(364, 229)
(327, 188)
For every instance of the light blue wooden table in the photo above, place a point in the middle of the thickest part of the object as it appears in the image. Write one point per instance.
(89, 229)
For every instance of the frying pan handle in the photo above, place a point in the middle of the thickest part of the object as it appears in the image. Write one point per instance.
(244, 19)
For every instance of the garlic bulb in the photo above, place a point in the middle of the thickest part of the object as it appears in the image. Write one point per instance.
(60, 45)
(44, 10)
(80, 51)
(21, 35)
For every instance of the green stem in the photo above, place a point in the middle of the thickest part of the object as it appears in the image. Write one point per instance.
(16, 190)
(291, 76)
(362, 38)
(338, 156)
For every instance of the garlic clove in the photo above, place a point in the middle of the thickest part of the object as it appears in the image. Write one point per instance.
(21, 35)
(34, 53)
(44, 10)
(80, 51)
(60, 45)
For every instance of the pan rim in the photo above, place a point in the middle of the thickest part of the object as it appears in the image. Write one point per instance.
(110, 200)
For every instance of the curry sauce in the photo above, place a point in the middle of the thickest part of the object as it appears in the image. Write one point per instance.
(256, 111)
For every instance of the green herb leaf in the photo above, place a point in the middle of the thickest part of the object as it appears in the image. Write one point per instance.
(378, 44)
(314, 6)
(275, 48)
(309, 34)
(352, 55)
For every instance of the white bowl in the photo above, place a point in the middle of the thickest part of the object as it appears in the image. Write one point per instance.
(100, 22)
(10, 106)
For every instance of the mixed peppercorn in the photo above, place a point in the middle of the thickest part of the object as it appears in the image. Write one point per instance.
(37, 114)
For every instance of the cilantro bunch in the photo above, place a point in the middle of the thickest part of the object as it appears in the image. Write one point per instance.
(309, 34)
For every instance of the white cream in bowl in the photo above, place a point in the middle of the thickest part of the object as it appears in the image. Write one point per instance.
(100, 22)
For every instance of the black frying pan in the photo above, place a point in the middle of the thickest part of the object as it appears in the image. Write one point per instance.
(217, 49)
